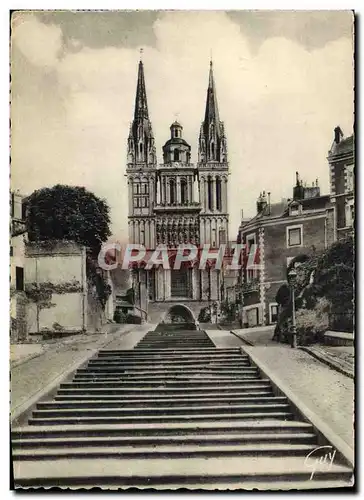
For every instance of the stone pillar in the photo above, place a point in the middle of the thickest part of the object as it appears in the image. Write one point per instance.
(194, 283)
(202, 193)
(178, 189)
(168, 193)
(224, 186)
(130, 194)
(158, 190)
(213, 189)
(206, 191)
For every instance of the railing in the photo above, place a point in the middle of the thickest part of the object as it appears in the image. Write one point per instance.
(177, 205)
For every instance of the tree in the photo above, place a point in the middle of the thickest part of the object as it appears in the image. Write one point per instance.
(68, 213)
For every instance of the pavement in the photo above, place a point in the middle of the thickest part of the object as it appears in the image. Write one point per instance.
(33, 370)
(259, 335)
(324, 391)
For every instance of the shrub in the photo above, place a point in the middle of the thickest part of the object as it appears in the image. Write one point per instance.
(204, 315)
(313, 323)
(119, 316)
(133, 319)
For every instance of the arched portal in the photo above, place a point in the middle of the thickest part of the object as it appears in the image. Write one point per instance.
(180, 314)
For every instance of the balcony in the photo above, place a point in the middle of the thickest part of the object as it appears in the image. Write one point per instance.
(191, 206)
(173, 165)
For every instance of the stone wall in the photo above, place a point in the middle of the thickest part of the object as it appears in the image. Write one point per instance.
(60, 270)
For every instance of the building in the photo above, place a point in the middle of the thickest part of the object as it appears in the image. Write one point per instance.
(280, 231)
(17, 259)
(177, 201)
(341, 161)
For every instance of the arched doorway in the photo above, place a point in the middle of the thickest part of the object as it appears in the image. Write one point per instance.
(179, 316)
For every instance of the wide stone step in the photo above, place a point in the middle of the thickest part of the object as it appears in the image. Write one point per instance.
(151, 472)
(151, 352)
(209, 396)
(167, 441)
(158, 418)
(161, 410)
(198, 390)
(225, 427)
(171, 402)
(171, 383)
(165, 451)
(170, 357)
(165, 378)
(159, 373)
(193, 364)
(168, 370)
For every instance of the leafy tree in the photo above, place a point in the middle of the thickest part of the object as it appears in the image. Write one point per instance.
(68, 213)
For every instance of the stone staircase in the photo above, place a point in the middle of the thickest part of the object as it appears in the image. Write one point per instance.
(173, 412)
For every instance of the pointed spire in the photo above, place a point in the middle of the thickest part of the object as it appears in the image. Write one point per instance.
(141, 105)
(212, 111)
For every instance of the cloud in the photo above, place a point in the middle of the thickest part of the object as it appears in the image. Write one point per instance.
(280, 105)
(39, 43)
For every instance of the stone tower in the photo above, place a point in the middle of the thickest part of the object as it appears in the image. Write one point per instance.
(213, 171)
(141, 170)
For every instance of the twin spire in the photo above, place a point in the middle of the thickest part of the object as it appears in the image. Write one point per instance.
(212, 142)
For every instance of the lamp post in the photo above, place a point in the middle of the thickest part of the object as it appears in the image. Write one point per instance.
(292, 280)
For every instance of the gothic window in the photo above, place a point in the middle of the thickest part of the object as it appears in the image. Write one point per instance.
(218, 195)
(212, 150)
(172, 191)
(210, 193)
(137, 188)
(222, 237)
(183, 192)
(142, 238)
(180, 283)
(176, 155)
(141, 148)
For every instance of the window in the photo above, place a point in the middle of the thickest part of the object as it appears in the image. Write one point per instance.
(294, 209)
(142, 238)
(218, 195)
(172, 192)
(19, 278)
(350, 178)
(222, 236)
(251, 273)
(11, 251)
(176, 155)
(209, 193)
(294, 236)
(183, 191)
(273, 313)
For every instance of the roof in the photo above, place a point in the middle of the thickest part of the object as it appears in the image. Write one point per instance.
(176, 140)
(176, 124)
(345, 146)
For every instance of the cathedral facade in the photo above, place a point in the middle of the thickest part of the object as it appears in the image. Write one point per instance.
(178, 202)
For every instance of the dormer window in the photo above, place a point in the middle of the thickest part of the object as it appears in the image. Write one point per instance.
(294, 209)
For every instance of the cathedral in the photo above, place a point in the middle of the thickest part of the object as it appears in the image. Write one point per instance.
(177, 201)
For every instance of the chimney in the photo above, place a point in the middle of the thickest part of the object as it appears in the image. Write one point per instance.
(338, 134)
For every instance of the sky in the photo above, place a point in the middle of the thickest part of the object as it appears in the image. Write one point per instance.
(284, 80)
